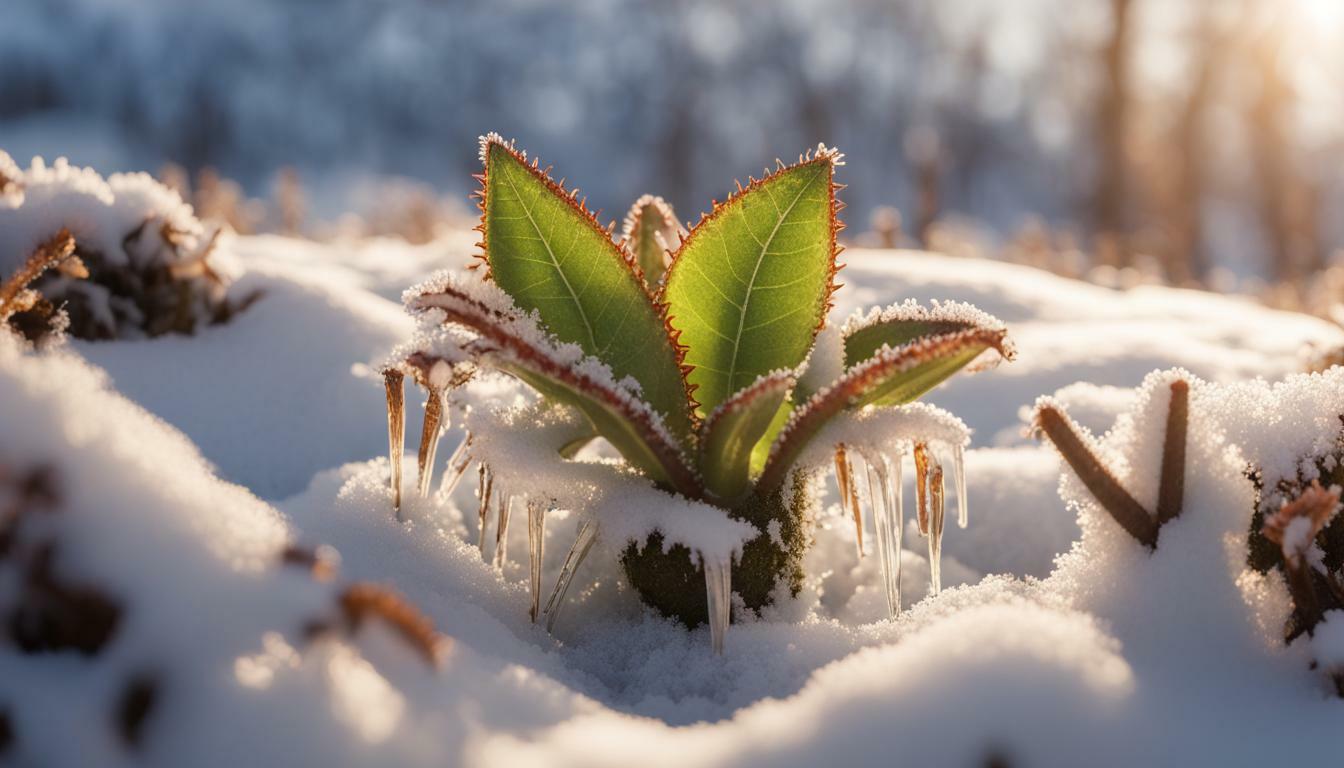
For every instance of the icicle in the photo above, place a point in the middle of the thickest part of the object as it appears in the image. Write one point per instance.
(458, 464)
(719, 592)
(394, 381)
(536, 540)
(504, 506)
(429, 436)
(922, 487)
(485, 489)
(936, 500)
(959, 478)
(849, 493)
(587, 536)
(885, 492)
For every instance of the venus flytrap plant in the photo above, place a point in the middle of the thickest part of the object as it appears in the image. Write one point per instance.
(707, 377)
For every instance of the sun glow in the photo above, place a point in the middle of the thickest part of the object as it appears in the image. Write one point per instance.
(1324, 17)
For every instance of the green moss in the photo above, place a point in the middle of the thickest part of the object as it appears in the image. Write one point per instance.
(674, 585)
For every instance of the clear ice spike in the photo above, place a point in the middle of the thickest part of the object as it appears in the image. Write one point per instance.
(485, 490)
(719, 591)
(884, 493)
(505, 505)
(429, 437)
(959, 478)
(582, 545)
(458, 464)
(394, 381)
(936, 508)
(536, 541)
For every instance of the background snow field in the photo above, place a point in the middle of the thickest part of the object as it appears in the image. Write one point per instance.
(222, 495)
(186, 467)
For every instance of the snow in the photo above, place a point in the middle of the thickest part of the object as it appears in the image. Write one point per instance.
(1056, 637)
(912, 311)
(888, 430)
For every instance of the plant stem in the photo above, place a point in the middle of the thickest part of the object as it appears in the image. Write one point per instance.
(1171, 487)
(50, 253)
(1303, 593)
(1099, 481)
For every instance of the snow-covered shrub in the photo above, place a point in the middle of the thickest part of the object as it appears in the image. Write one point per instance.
(153, 267)
(720, 384)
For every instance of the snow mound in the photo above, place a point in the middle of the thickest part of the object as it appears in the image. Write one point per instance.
(153, 612)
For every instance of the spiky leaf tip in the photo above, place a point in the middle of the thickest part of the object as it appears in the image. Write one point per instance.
(650, 234)
(751, 283)
(544, 248)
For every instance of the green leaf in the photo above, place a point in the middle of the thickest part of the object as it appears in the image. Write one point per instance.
(944, 355)
(751, 283)
(571, 449)
(864, 342)
(732, 431)
(651, 232)
(907, 324)
(547, 252)
(512, 343)
(891, 376)
(761, 452)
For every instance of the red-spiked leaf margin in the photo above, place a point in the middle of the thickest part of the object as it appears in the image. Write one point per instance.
(580, 205)
(822, 154)
(858, 381)
(494, 328)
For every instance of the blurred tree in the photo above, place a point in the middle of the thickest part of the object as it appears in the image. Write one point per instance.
(1110, 196)
(1288, 200)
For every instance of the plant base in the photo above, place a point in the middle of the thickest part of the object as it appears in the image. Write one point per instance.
(674, 585)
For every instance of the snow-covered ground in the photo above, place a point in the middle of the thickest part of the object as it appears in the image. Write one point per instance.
(187, 464)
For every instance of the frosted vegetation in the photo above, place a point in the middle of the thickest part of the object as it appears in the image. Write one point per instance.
(204, 560)
(149, 266)
(696, 373)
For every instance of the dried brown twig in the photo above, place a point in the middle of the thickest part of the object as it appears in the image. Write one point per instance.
(1105, 488)
(57, 251)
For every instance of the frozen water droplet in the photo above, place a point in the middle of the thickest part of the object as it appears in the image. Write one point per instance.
(536, 540)
(429, 437)
(719, 592)
(582, 544)
(458, 464)
(505, 505)
(959, 477)
(394, 382)
(485, 490)
(884, 492)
